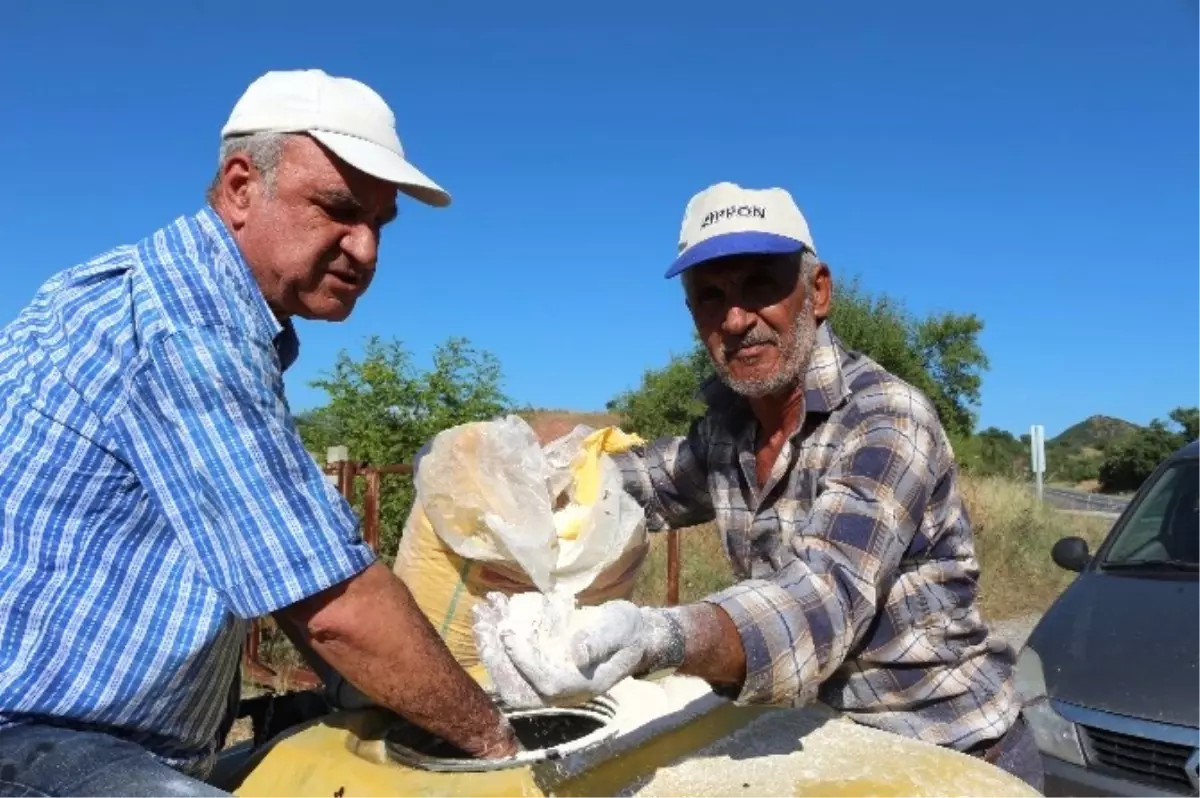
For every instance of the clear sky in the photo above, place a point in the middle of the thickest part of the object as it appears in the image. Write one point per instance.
(1032, 162)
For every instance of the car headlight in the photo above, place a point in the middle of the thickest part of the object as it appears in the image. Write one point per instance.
(1056, 736)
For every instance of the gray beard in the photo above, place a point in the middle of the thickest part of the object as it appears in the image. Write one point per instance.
(796, 352)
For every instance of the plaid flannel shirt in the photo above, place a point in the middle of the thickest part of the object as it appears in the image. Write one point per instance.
(857, 569)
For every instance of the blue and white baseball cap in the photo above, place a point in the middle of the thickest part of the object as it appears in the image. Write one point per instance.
(726, 219)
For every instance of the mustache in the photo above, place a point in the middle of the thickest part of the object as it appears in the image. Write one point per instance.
(756, 336)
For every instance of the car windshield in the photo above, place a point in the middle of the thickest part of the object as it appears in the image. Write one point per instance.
(1164, 528)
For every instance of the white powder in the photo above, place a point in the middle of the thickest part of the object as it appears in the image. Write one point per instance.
(550, 620)
(547, 623)
(808, 751)
(811, 751)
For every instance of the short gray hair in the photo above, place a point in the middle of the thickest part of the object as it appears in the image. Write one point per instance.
(808, 267)
(264, 151)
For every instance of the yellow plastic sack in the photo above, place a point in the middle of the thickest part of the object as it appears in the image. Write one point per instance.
(446, 586)
(505, 507)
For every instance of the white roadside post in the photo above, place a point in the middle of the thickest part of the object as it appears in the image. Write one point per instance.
(334, 455)
(1037, 454)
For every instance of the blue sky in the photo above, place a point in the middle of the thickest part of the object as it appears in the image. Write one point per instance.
(1035, 163)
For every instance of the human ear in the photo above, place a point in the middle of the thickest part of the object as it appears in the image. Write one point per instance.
(236, 187)
(822, 291)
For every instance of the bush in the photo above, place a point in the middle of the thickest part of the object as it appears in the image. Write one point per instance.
(993, 452)
(1131, 459)
(1072, 468)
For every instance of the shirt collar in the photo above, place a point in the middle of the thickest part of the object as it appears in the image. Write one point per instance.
(229, 263)
(824, 383)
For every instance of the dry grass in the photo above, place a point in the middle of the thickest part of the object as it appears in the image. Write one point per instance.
(704, 568)
(1013, 538)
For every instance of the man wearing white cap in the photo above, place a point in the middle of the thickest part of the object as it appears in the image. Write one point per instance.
(833, 486)
(154, 493)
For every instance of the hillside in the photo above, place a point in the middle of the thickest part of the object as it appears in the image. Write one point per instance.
(1093, 433)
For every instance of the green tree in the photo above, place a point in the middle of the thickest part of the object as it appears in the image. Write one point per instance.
(319, 429)
(1002, 454)
(1189, 419)
(992, 452)
(939, 355)
(383, 409)
(668, 399)
(948, 344)
(878, 326)
(1132, 458)
(1072, 467)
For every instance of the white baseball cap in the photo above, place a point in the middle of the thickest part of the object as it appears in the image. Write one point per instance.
(726, 219)
(346, 116)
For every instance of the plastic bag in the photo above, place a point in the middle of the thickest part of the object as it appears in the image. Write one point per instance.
(447, 587)
(492, 494)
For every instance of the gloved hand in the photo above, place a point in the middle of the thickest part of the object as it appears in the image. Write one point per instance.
(509, 684)
(620, 639)
(565, 657)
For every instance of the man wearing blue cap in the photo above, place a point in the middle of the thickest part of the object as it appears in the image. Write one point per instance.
(834, 487)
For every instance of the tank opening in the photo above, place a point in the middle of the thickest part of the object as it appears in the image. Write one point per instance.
(536, 732)
(546, 731)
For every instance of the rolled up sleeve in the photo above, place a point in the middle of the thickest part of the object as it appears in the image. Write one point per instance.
(209, 434)
(798, 626)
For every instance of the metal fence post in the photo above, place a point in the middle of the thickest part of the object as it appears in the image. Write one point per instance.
(672, 567)
(371, 508)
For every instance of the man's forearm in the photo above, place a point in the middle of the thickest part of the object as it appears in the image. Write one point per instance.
(713, 648)
(372, 633)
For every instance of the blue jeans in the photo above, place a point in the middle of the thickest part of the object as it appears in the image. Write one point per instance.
(37, 760)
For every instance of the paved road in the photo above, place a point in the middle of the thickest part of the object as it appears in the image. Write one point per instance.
(1068, 499)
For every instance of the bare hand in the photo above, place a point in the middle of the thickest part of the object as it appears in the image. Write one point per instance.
(505, 743)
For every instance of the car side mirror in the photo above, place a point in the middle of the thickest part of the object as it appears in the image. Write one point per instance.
(1071, 554)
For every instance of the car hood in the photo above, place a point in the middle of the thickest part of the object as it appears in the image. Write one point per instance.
(1125, 644)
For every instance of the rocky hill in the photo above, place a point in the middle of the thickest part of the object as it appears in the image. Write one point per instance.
(1093, 433)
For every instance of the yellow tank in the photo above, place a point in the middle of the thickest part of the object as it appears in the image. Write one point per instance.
(672, 737)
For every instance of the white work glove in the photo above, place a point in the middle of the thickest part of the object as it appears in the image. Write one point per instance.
(510, 687)
(578, 655)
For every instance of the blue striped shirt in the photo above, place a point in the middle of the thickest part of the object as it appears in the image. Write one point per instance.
(154, 492)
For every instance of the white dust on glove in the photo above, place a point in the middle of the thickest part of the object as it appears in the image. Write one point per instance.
(511, 687)
(526, 642)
